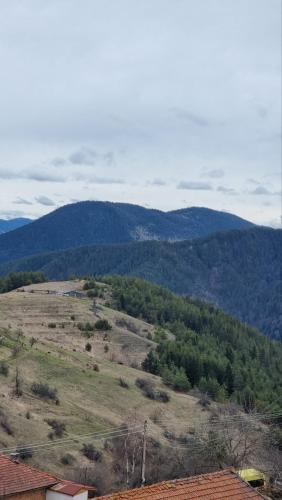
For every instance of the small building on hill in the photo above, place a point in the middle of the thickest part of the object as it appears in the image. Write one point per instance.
(18, 481)
(223, 485)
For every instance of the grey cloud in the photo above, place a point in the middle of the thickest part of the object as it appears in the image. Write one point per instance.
(33, 175)
(44, 200)
(226, 190)
(58, 162)
(197, 186)
(261, 190)
(156, 182)
(214, 174)
(22, 201)
(100, 180)
(84, 156)
(194, 118)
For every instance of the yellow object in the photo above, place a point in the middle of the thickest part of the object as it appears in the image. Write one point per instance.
(251, 475)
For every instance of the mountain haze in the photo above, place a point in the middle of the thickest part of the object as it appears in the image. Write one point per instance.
(92, 222)
(240, 271)
(11, 224)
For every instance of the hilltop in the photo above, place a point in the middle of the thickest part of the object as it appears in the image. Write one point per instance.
(93, 222)
(238, 271)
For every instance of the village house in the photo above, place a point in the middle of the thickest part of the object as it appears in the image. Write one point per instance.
(223, 485)
(18, 481)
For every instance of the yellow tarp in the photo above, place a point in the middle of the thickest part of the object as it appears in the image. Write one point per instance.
(251, 475)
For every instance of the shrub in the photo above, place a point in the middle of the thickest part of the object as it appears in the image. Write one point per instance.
(150, 391)
(72, 317)
(106, 348)
(88, 347)
(123, 383)
(87, 328)
(96, 368)
(103, 324)
(52, 325)
(163, 397)
(44, 391)
(4, 369)
(90, 452)
(32, 341)
(25, 452)
(67, 459)
(28, 415)
(94, 292)
(58, 428)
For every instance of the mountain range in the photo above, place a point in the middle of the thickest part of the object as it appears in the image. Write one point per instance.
(239, 271)
(11, 224)
(92, 223)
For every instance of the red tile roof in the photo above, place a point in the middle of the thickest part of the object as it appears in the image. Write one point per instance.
(223, 485)
(16, 477)
(69, 488)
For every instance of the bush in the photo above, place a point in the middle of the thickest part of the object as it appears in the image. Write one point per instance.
(52, 325)
(67, 459)
(106, 348)
(123, 383)
(4, 369)
(87, 328)
(88, 347)
(44, 391)
(103, 324)
(90, 452)
(150, 391)
(96, 368)
(58, 428)
(25, 452)
(94, 292)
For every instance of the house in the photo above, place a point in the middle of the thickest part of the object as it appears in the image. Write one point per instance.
(18, 481)
(223, 485)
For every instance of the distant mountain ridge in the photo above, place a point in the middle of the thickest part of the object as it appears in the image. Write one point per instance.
(93, 222)
(240, 271)
(11, 224)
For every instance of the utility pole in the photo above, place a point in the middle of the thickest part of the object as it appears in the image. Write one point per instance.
(143, 479)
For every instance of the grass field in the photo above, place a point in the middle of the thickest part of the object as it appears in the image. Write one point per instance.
(89, 400)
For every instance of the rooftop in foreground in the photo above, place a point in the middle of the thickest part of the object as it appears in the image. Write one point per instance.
(223, 485)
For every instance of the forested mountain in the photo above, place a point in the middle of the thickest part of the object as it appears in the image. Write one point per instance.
(92, 222)
(240, 271)
(10, 225)
(210, 349)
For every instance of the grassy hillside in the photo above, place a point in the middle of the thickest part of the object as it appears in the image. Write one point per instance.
(88, 223)
(41, 337)
(239, 271)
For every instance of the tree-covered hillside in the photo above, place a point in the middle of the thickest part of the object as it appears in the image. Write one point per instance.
(210, 349)
(93, 222)
(240, 271)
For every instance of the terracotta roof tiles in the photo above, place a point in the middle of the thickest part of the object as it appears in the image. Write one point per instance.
(223, 485)
(16, 477)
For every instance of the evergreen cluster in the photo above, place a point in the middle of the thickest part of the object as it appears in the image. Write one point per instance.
(200, 346)
(16, 280)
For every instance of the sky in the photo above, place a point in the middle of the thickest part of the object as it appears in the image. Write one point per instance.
(162, 103)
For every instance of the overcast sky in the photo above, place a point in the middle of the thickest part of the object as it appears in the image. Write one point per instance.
(163, 103)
